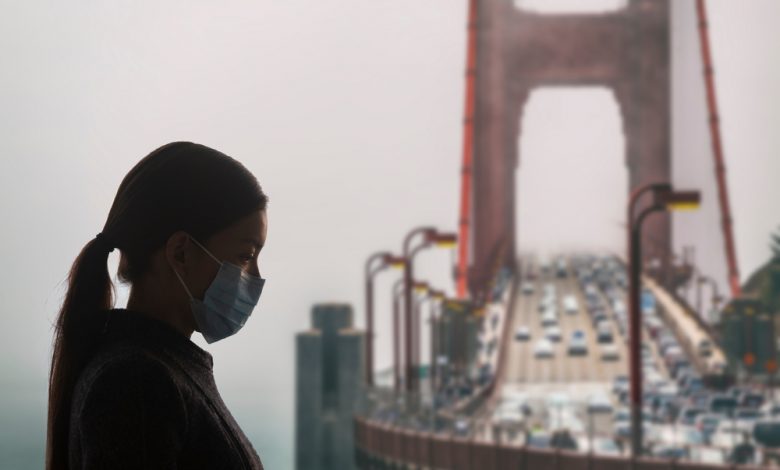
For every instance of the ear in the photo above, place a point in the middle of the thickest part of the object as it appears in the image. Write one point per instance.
(178, 249)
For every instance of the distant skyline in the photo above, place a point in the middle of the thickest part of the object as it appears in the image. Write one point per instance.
(350, 113)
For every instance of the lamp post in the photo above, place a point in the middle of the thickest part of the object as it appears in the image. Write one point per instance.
(396, 293)
(430, 236)
(421, 289)
(374, 264)
(437, 297)
(664, 198)
(715, 298)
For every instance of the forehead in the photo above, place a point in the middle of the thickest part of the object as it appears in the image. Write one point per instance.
(250, 228)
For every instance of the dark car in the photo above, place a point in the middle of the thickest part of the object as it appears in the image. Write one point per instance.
(688, 414)
(751, 400)
(723, 404)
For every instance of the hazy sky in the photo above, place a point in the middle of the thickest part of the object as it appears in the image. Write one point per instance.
(349, 112)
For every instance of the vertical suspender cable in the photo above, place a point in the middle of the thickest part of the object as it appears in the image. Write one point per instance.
(468, 154)
(717, 150)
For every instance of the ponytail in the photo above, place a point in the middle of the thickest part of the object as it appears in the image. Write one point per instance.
(76, 333)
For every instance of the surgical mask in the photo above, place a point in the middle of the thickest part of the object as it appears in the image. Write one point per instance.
(228, 301)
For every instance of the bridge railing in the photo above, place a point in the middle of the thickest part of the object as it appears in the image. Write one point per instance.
(380, 446)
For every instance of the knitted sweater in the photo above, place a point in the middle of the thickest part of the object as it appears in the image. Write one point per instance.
(148, 400)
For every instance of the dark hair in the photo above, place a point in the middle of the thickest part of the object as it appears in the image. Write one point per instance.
(179, 186)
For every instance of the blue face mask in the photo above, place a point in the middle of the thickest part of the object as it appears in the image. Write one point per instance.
(228, 301)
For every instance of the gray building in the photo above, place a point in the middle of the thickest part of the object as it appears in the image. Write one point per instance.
(329, 389)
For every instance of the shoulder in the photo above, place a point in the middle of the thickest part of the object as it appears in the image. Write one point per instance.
(127, 412)
(128, 381)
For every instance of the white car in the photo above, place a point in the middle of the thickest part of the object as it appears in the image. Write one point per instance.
(543, 348)
(727, 434)
(509, 417)
(528, 288)
(570, 305)
(549, 319)
(578, 346)
(605, 446)
(522, 333)
(546, 303)
(553, 333)
(609, 352)
(599, 403)
(712, 455)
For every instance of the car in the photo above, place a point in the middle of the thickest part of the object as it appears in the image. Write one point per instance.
(623, 430)
(623, 414)
(553, 333)
(549, 319)
(528, 288)
(509, 417)
(605, 446)
(619, 383)
(570, 304)
(599, 403)
(771, 410)
(767, 432)
(704, 348)
(609, 352)
(522, 333)
(578, 346)
(653, 325)
(727, 434)
(687, 436)
(707, 423)
(748, 416)
(750, 399)
(543, 348)
(538, 439)
(673, 451)
(688, 415)
(603, 332)
(722, 404)
(461, 426)
(561, 268)
(710, 455)
(598, 317)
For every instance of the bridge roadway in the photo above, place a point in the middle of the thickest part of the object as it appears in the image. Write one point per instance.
(523, 368)
(575, 377)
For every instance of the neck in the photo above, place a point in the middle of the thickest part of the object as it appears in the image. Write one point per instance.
(147, 302)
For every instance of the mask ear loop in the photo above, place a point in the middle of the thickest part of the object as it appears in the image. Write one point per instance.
(182, 282)
(204, 249)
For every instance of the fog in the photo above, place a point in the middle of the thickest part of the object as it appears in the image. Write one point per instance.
(349, 112)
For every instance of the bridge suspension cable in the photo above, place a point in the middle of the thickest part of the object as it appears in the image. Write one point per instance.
(468, 154)
(717, 149)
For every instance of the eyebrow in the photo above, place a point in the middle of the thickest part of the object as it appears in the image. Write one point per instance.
(254, 242)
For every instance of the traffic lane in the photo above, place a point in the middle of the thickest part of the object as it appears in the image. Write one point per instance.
(562, 367)
(517, 363)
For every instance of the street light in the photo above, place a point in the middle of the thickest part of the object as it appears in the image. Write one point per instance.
(715, 296)
(421, 289)
(385, 260)
(438, 297)
(396, 293)
(664, 199)
(430, 237)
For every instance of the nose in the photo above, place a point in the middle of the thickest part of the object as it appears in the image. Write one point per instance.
(255, 270)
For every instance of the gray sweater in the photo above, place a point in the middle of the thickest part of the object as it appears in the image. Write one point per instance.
(147, 400)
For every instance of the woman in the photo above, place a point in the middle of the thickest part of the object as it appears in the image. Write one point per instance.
(128, 388)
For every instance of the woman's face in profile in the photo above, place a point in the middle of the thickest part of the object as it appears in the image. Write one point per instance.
(240, 243)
